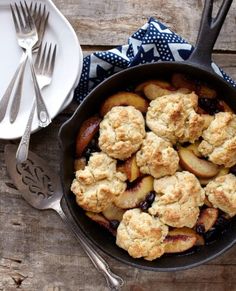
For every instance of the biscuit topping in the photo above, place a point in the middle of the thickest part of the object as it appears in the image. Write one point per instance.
(173, 117)
(121, 132)
(157, 157)
(141, 234)
(221, 192)
(98, 184)
(219, 140)
(178, 199)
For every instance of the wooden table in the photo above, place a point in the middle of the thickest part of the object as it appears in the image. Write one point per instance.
(37, 252)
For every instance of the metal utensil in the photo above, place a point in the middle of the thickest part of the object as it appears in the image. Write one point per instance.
(27, 37)
(41, 188)
(44, 67)
(40, 17)
(41, 20)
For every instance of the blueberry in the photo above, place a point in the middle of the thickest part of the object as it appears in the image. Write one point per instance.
(144, 205)
(210, 105)
(94, 145)
(114, 223)
(87, 153)
(150, 197)
(233, 170)
(200, 229)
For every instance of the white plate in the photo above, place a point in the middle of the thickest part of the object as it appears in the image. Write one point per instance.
(66, 75)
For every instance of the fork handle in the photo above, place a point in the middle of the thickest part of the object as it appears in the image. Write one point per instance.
(23, 148)
(6, 97)
(42, 112)
(114, 282)
(15, 105)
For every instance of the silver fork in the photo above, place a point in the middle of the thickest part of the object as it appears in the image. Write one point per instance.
(27, 37)
(40, 17)
(17, 79)
(44, 67)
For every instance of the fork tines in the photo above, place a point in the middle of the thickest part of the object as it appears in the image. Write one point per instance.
(22, 17)
(45, 59)
(40, 16)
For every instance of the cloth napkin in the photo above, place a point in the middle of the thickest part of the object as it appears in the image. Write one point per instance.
(153, 42)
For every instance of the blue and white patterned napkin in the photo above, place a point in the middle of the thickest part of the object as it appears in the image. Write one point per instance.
(153, 42)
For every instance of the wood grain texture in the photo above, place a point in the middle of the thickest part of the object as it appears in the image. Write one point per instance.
(105, 22)
(37, 252)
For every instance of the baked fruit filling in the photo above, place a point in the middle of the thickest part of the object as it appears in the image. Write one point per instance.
(156, 167)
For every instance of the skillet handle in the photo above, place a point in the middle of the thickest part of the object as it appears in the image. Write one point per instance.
(208, 33)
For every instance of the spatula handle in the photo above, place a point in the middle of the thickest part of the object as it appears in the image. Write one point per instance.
(114, 282)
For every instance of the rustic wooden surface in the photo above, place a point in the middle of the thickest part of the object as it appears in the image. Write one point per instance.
(37, 252)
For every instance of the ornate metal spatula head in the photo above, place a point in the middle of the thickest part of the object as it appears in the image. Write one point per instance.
(38, 183)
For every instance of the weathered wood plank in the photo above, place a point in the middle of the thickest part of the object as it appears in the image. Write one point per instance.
(113, 21)
(227, 62)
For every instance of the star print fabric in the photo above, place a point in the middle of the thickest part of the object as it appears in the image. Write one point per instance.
(153, 42)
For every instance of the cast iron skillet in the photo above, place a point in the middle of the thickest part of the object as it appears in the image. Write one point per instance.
(198, 67)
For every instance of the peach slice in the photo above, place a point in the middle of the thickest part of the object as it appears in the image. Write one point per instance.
(222, 172)
(79, 164)
(181, 81)
(131, 197)
(205, 91)
(202, 90)
(199, 167)
(101, 220)
(207, 202)
(124, 99)
(200, 111)
(113, 212)
(194, 148)
(204, 182)
(200, 240)
(130, 168)
(153, 91)
(86, 133)
(179, 240)
(207, 218)
(160, 83)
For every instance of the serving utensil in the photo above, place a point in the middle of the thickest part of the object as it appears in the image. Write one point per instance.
(40, 16)
(27, 37)
(44, 67)
(41, 188)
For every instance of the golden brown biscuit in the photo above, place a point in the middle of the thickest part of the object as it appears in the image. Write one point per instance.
(173, 117)
(141, 234)
(97, 185)
(157, 157)
(178, 198)
(121, 132)
(219, 140)
(221, 192)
